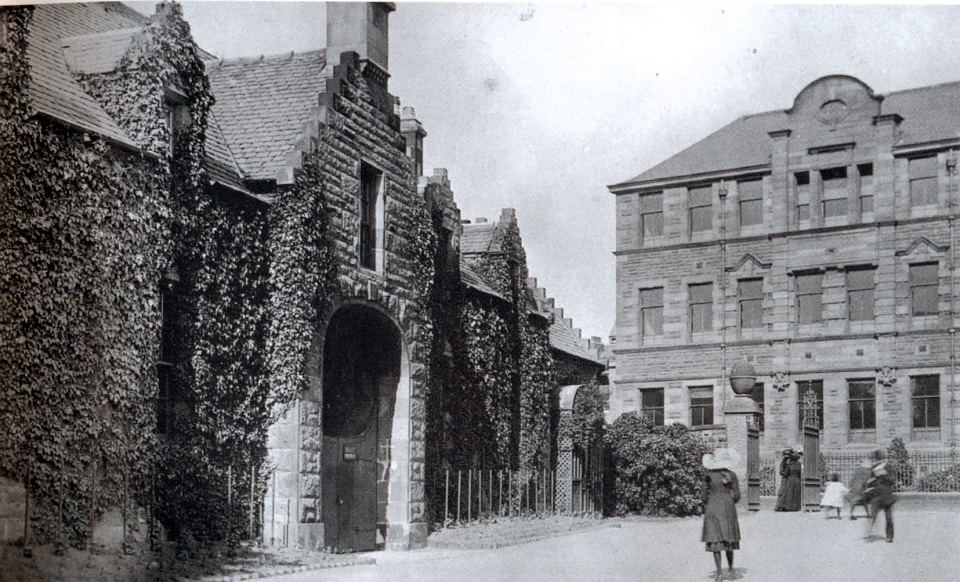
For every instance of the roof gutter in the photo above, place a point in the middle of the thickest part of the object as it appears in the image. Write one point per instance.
(637, 185)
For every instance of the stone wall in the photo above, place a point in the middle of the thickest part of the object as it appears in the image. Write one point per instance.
(350, 127)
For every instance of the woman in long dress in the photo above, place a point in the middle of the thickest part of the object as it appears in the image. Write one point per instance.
(788, 498)
(721, 490)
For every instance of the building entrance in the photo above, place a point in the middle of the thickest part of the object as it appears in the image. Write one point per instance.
(361, 370)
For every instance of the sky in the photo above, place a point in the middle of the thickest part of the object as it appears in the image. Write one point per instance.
(538, 107)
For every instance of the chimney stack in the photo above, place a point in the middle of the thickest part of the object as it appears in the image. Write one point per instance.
(413, 132)
(361, 27)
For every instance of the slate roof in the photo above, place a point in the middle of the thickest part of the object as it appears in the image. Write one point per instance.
(562, 338)
(262, 105)
(929, 114)
(97, 53)
(479, 238)
(219, 161)
(53, 89)
(472, 279)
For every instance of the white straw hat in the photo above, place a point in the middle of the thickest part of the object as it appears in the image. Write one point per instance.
(722, 458)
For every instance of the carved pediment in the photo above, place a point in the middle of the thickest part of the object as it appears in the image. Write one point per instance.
(749, 265)
(924, 248)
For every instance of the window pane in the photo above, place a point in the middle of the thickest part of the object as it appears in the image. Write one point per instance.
(651, 202)
(701, 307)
(750, 190)
(925, 274)
(860, 279)
(861, 305)
(835, 207)
(751, 313)
(651, 405)
(652, 224)
(809, 283)
(924, 191)
(701, 219)
(651, 297)
(923, 167)
(751, 288)
(652, 321)
(924, 300)
(701, 293)
(702, 196)
(751, 212)
(701, 406)
(926, 385)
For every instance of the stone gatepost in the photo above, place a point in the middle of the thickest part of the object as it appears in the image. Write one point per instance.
(740, 416)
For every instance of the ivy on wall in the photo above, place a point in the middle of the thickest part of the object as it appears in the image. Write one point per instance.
(82, 242)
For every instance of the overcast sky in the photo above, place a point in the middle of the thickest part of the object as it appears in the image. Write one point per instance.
(539, 107)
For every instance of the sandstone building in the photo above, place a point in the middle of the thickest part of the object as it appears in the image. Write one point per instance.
(230, 276)
(817, 243)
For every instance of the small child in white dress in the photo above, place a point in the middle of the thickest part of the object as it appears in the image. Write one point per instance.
(833, 495)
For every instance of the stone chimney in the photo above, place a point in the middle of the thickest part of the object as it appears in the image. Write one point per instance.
(413, 132)
(361, 27)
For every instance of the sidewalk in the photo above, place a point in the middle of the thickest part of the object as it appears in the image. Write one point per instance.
(776, 547)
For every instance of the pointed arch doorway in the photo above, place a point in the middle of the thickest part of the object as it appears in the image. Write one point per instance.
(361, 371)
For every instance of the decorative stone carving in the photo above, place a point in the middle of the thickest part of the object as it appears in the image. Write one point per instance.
(886, 376)
(781, 381)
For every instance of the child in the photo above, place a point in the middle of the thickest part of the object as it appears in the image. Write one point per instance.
(833, 495)
(858, 485)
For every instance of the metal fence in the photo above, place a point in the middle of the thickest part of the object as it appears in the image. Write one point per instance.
(473, 495)
(925, 471)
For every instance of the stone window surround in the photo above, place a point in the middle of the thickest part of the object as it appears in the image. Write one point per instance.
(377, 228)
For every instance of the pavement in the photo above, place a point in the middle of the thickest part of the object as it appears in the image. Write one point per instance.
(775, 547)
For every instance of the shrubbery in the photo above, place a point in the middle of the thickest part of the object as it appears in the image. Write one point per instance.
(656, 470)
(941, 481)
(898, 464)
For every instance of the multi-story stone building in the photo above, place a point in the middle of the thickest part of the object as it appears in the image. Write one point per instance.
(816, 243)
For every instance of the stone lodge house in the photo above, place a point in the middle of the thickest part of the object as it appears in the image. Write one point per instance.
(815, 242)
(266, 276)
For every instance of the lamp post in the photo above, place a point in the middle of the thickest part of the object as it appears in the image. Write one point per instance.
(743, 433)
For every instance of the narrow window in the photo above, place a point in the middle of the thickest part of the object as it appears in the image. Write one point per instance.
(862, 404)
(751, 202)
(834, 192)
(802, 180)
(651, 405)
(924, 189)
(866, 188)
(809, 298)
(371, 217)
(177, 110)
(651, 214)
(751, 303)
(701, 307)
(651, 312)
(860, 288)
(924, 284)
(925, 397)
(168, 393)
(816, 388)
(701, 209)
(701, 405)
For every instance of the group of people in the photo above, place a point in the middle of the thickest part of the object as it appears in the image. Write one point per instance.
(872, 488)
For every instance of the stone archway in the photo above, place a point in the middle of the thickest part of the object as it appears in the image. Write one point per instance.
(361, 371)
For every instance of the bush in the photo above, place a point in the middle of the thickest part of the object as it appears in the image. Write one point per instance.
(941, 481)
(656, 469)
(898, 464)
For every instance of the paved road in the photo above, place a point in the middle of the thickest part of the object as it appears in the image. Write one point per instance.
(776, 547)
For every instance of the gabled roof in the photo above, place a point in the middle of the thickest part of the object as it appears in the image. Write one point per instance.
(479, 238)
(53, 89)
(219, 161)
(262, 105)
(563, 338)
(929, 114)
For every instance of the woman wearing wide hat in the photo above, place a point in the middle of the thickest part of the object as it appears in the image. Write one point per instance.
(788, 498)
(721, 490)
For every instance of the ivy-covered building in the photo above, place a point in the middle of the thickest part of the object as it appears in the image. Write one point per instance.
(228, 276)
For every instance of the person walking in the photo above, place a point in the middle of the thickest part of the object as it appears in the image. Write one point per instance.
(880, 492)
(833, 496)
(858, 486)
(720, 493)
(788, 498)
